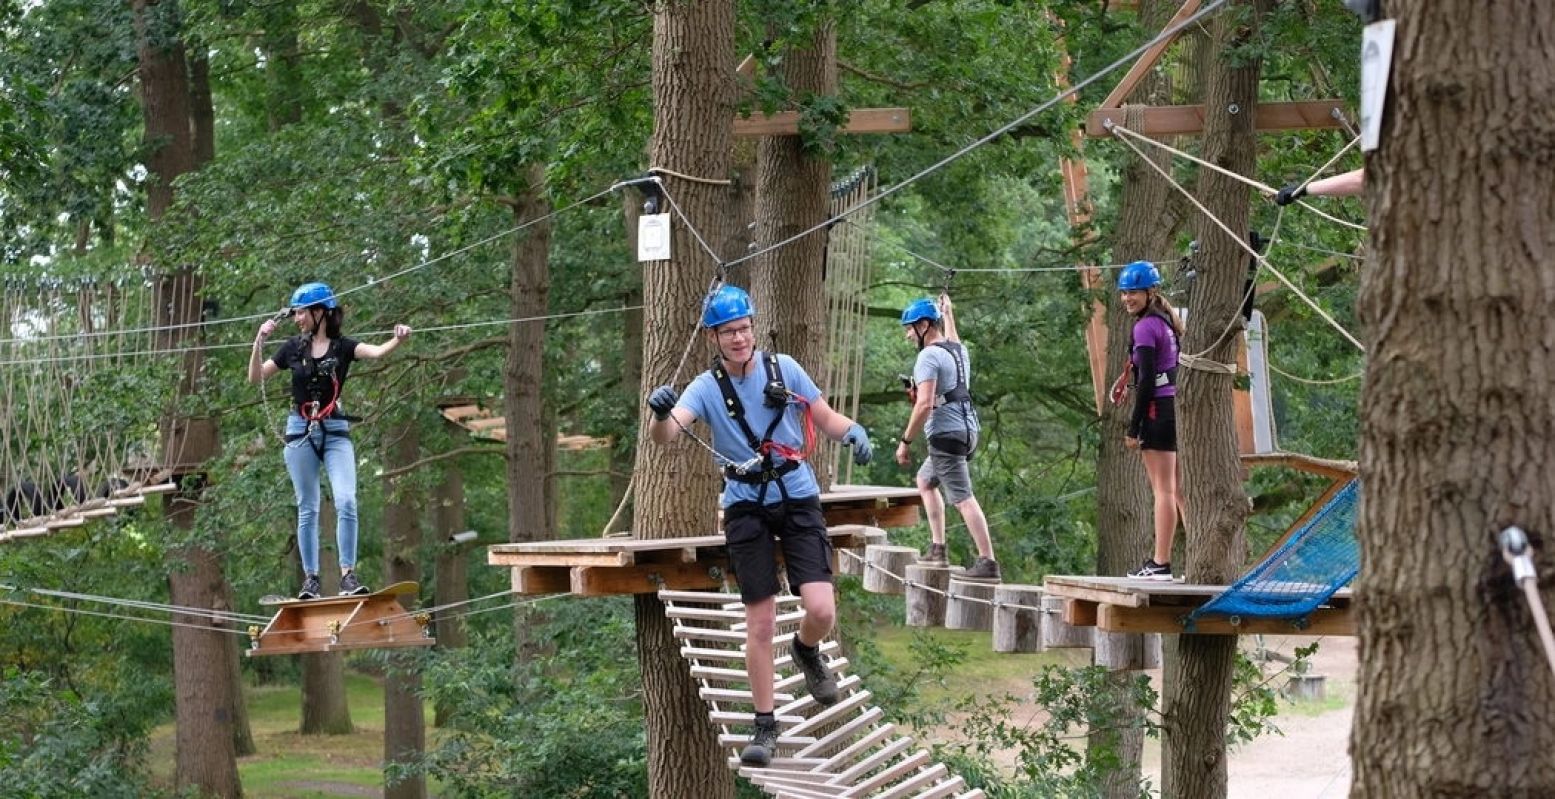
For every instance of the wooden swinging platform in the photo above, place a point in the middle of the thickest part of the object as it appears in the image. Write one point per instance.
(626, 565)
(1126, 605)
(334, 624)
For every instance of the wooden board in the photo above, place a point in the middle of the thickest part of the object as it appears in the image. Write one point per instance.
(329, 624)
(1126, 592)
(1323, 621)
(1185, 120)
(860, 120)
(1327, 467)
(392, 589)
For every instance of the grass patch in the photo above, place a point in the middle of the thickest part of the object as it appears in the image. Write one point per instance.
(293, 766)
(984, 672)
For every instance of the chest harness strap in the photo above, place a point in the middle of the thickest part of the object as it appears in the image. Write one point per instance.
(774, 396)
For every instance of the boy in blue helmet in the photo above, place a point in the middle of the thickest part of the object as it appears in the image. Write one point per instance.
(757, 404)
(943, 413)
(318, 432)
(1152, 426)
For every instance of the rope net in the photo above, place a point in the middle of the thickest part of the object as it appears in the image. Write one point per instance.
(1319, 559)
(848, 266)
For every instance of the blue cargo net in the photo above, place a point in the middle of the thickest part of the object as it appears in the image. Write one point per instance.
(1319, 559)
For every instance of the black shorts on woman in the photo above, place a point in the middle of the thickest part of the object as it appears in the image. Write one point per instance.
(1159, 430)
(755, 532)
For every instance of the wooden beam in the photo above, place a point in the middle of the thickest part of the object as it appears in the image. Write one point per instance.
(541, 580)
(596, 581)
(1079, 613)
(1188, 120)
(569, 559)
(896, 516)
(1323, 621)
(1147, 61)
(860, 120)
(1333, 469)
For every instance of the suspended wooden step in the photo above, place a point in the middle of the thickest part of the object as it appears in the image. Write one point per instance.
(77, 515)
(333, 624)
(845, 750)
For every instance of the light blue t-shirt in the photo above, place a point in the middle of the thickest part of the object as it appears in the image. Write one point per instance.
(706, 401)
(935, 363)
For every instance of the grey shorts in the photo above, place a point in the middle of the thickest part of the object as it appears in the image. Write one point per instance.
(948, 473)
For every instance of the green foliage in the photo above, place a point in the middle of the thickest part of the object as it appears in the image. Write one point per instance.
(54, 744)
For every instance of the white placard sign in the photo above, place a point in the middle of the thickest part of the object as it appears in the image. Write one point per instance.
(1376, 61)
(653, 237)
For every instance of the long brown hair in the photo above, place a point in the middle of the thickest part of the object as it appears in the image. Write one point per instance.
(1160, 306)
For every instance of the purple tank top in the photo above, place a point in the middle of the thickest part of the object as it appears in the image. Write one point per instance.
(1153, 331)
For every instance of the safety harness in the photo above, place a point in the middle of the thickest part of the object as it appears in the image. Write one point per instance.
(775, 395)
(323, 381)
(1167, 377)
(961, 393)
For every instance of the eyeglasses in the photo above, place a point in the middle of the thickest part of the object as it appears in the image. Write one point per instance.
(731, 333)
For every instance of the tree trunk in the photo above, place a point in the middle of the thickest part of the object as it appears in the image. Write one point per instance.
(793, 189)
(325, 710)
(531, 444)
(1125, 530)
(1457, 430)
(285, 88)
(693, 92)
(1198, 690)
(404, 722)
(450, 582)
(203, 679)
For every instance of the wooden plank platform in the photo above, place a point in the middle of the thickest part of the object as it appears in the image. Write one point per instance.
(1124, 605)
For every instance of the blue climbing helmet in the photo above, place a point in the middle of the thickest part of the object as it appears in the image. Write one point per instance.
(308, 295)
(1138, 276)
(725, 305)
(918, 310)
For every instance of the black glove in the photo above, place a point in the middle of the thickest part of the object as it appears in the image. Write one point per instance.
(1290, 194)
(661, 401)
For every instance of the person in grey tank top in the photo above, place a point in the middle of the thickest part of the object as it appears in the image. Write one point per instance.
(944, 415)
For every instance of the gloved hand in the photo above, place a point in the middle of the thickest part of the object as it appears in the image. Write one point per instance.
(661, 401)
(1290, 194)
(856, 438)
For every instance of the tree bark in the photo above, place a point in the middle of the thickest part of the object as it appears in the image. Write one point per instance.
(531, 443)
(325, 710)
(451, 584)
(404, 723)
(693, 92)
(793, 188)
(1455, 698)
(1125, 530)
(204, 686)
(1198, 690)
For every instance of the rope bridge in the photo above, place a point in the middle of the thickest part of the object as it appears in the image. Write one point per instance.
(846, 750)
(1319, 559)
(79, 411)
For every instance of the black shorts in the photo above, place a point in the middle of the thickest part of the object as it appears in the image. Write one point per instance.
(754, 532)
(1159, 432)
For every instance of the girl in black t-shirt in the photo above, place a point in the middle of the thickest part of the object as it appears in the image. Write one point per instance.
(317, 430)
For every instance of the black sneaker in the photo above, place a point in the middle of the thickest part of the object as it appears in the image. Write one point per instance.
(763, 745)
(983, 569)
(935, 556)
(350, 586)
(310, 587)
(1152, 571)
(818, 678)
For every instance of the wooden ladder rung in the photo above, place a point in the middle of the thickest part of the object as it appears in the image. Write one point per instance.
(875, 760)
(699, 597)
(942, 790)
(792, 617)
(802, 702)
(778, 763)
(736, 718)
(847, 730)
(720, 675)
(890, 774)
(704, 614)
(832, 714)
(737, 695)
(789, 742)
(934, 773)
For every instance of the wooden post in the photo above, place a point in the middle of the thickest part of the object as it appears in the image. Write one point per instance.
(1118, 651)
(1056, 633)
(847, 564)
(885, 566)
(969, 606)
(926, 595)
(1017, 629)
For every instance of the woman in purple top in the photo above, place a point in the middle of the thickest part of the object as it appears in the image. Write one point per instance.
(1152, 426)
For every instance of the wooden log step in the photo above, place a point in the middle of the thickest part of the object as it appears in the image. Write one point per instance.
(737, 695)
(884, 567)
(969, 606)
(854, 566)
(915, 783)
(788, 742)
(1017, 618)
(844, 707)
(890, 774)
(874, 760)
(926, 589)
(845, 731)
(1058, 633)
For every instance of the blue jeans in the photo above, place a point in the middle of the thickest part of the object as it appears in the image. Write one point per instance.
(339, 462)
